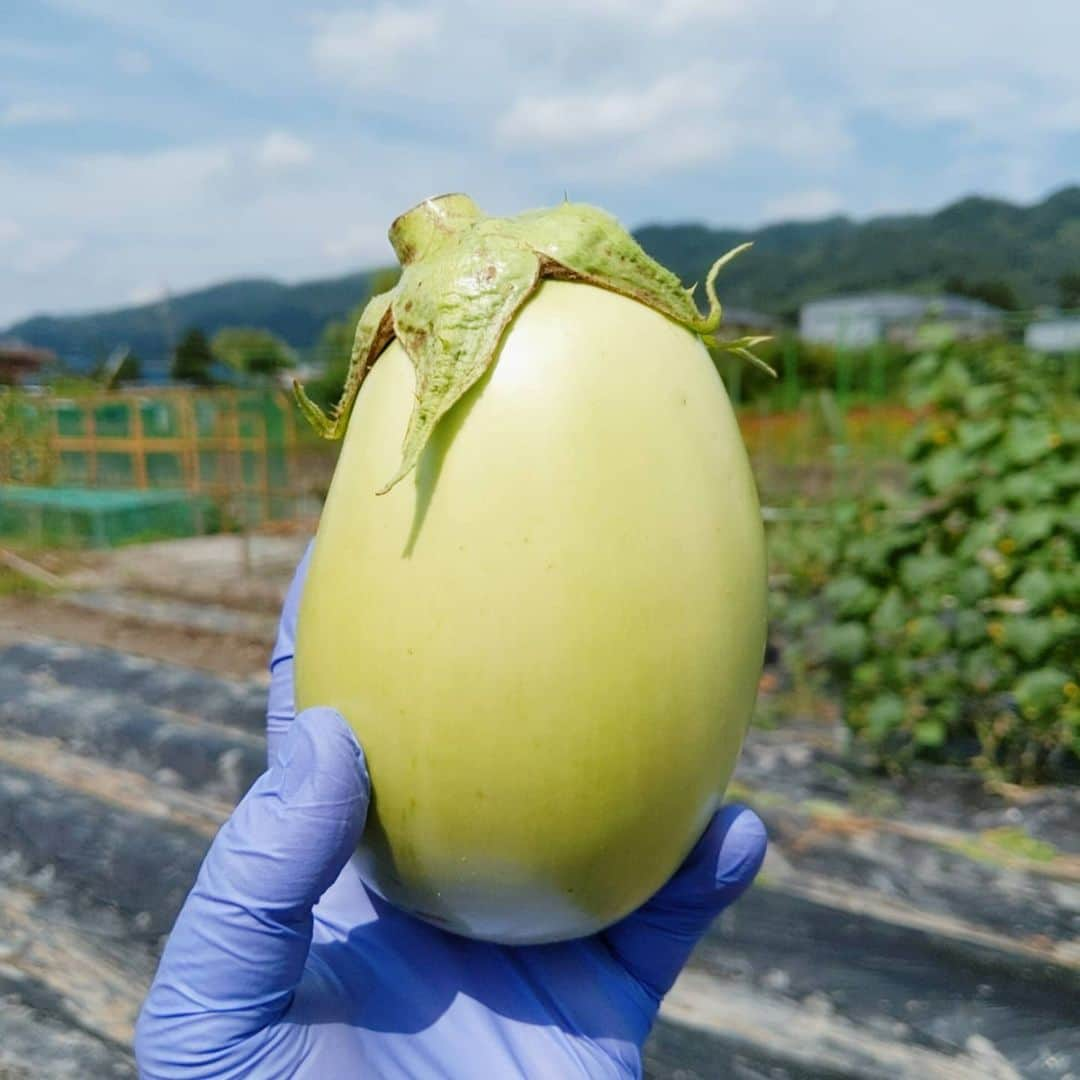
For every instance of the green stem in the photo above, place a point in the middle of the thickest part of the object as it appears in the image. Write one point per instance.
(425, 228)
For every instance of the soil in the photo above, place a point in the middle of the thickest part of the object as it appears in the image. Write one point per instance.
(920, 928)
(22, 618)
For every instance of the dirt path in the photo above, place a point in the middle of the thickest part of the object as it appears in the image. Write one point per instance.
(921, 928)
(24, 618)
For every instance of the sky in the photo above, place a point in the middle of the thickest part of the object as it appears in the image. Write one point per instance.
(149, 145)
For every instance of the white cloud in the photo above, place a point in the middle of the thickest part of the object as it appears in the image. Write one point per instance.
(208, 212)
(9, 231)
(147, 294)
(48, 253)
(803, 205)
(134, 62)
(716, 110)
(283, 150)
(673, 124)
(572, 119)
(679, 13)
(363, 48)
(355, 242)
(35, 113)
(665, 15)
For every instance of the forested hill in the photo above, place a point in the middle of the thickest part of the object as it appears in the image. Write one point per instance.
(296, 313)
(975, 241)
(1024, 251)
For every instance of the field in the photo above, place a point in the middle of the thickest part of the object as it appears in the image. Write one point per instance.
(916, 916)
(921, 927)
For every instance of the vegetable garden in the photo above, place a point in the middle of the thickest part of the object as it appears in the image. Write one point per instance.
(922, 510)
(938, 603)
(912, 920)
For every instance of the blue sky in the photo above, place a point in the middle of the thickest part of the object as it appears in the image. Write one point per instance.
(148, 145)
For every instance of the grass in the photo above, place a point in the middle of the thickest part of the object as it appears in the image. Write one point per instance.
(14, 584)
(1017, 842)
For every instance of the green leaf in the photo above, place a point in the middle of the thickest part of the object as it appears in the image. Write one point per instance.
(982, 399)
(920, 572)
(986, 669)
(970, 628)
(450, 313)
(891, 614)
(927, 635)
(977, 434)
(1037, 588)
(885, 715)
(974, 584)
(1031, 527)
(1029, 440)
(943, 683)
(1030, 639)
(801, 614)
(867, 677)
(990, 495)
(948, 468)
(1042, 690)
(1028, 486)
(466, 275)
(846, 642)
(851, 596)
(1066, 474)
(930, 733)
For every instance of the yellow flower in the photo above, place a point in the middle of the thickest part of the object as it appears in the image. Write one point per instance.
(996, 631)
(940, 436)
(1072, 691)
(1006, 545)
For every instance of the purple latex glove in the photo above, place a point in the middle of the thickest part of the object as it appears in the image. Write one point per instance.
(283, 964)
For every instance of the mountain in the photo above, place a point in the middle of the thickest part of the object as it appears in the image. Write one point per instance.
(296, 313)
(979, 240)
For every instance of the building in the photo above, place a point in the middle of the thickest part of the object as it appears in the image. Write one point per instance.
(868, 318)
(1054, 334)
(18, 361)
(737, 322)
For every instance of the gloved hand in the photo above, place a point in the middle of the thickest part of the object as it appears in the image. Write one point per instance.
(283, 964)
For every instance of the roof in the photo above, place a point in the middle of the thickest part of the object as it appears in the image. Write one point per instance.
(18, 353)
(1056, 333)
(735, 316)
(19, 361)
(1067, 322)
(890, 305)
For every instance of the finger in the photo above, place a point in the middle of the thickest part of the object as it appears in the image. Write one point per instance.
(654, 942)
(240, 943)
(281, 704)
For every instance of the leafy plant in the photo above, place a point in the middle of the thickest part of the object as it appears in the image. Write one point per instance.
(336, 343)
(251, 351)
(952, 627)
(193, 361)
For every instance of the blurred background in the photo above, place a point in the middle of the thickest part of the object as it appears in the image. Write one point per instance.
(193, 211)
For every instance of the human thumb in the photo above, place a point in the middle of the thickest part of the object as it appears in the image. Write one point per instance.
(241, 940)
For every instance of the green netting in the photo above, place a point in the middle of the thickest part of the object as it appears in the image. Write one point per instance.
(223, 457)
(100, 518)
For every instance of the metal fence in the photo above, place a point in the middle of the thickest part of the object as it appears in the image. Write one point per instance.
(113, 466)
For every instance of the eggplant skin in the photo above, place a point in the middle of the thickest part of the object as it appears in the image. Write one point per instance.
(548, 637)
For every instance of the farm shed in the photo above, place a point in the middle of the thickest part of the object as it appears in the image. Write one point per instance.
(871, 317)
(19, 360)
(1058, 334)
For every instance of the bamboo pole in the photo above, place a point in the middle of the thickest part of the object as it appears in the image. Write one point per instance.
(264, 465)
(138, 453)
(91, 445)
